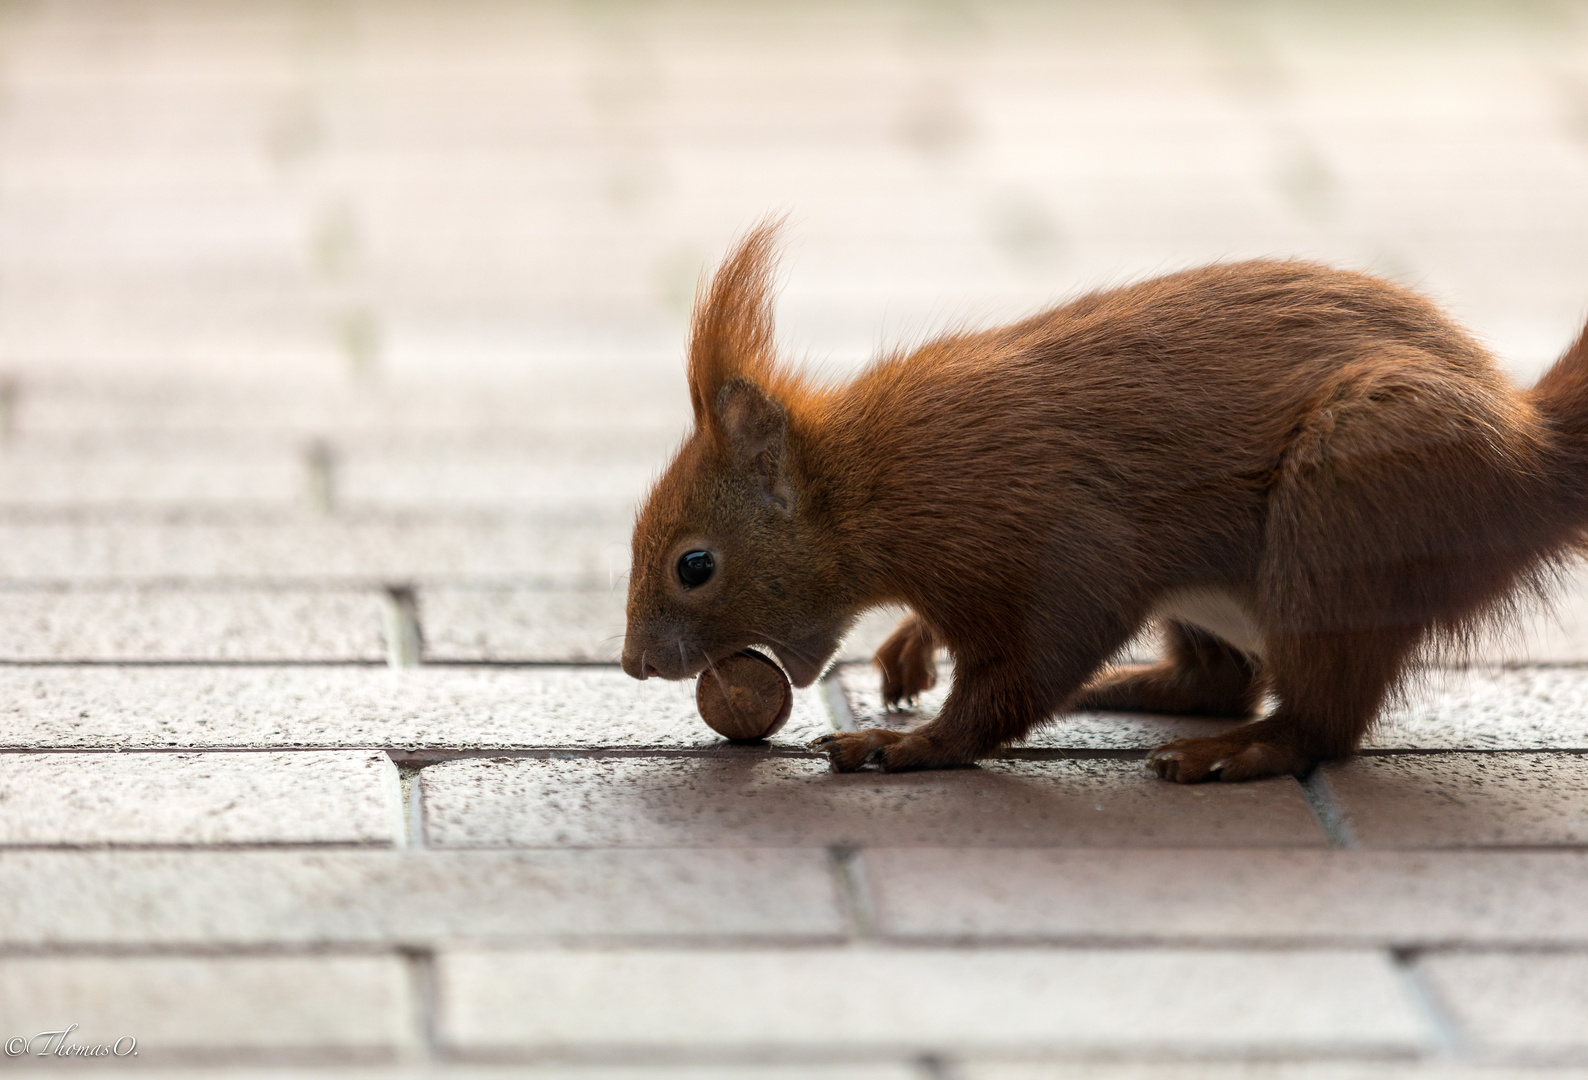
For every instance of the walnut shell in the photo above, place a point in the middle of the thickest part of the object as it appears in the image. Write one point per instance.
(746, 697)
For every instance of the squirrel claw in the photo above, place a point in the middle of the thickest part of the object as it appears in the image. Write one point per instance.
(850, 751)
(885, 751)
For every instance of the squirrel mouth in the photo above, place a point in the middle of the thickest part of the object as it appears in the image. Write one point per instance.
(799, 669)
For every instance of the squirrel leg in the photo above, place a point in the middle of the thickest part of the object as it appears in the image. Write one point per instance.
(1203, 675)
(1330, 686)
(906, 661)
(990, 704)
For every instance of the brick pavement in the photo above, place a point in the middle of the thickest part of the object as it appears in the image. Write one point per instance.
(336, 341)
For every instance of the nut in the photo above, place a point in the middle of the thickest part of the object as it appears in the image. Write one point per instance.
(744, 697)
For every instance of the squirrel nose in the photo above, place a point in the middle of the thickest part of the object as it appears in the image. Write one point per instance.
(638, 667)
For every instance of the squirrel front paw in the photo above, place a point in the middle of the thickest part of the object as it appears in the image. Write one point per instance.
(907, 662)
(886, 751)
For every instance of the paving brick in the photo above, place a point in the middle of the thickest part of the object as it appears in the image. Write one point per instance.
(110, 623)
(1373, 898)
(821, 122)
(695, 1070)
(1462, 799)
(313, 797)
(1013, 1002)
(1527, 1003)
(285, 547)
(557, 469)
(450, 708)
(570, 405)
(523, 623)
(52, 477)
(572, 469)
(209, 899)
(187, 1006)
(1531, 708)
(1433, 1068)
(796, 801)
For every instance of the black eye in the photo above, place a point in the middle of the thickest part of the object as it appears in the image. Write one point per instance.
(695, 567)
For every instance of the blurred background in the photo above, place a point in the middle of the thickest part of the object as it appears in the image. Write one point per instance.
(314, 199)
(293, 267)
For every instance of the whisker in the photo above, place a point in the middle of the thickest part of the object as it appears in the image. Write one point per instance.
(721, 682)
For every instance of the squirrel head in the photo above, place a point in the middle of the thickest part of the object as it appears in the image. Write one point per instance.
(725, 554)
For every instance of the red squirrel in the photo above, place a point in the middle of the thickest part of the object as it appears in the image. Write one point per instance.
(1310, 477)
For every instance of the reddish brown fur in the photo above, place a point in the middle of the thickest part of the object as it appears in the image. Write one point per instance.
(1323, 447)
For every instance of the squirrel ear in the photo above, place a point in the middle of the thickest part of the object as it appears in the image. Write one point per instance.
(731, 327)
(754, 431)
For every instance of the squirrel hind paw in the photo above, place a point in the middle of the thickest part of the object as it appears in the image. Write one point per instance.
(1233, 756)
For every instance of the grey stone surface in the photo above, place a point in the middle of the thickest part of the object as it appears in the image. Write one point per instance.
(1529, 708)
(182, 1006)
(53, 477)
(284, 547)
(1462, 799)
(231, 899)
(1348, 162)
(539, 464)
(599, 470)
(568, 407)
(1008, 1001)
(1521, 1002)
(542, 1070)
(112, 623)
(456, 242)
(455, 708)
(794, 802)
(1402, 899)
(463, 623)
(304, 797)
(1435, 1067)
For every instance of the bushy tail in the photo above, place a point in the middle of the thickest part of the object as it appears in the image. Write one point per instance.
(1562, 395)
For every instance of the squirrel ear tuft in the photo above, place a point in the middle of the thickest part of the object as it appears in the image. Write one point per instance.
(731, 327)
(754, 430)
